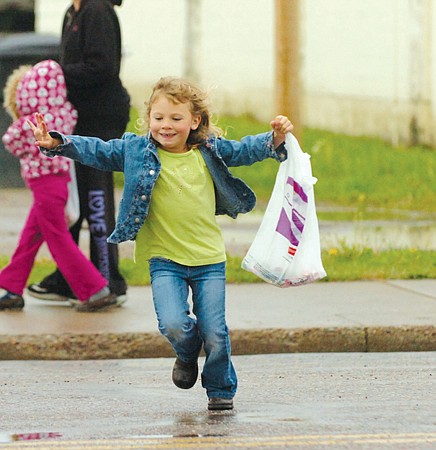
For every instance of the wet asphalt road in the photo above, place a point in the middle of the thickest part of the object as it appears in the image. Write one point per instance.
(316, 401)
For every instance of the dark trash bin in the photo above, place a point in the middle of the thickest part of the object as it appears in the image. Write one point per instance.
(16, 50)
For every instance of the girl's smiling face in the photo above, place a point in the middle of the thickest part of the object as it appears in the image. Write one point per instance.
(171, 123)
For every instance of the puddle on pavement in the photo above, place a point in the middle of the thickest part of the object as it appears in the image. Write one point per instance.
(190, 420)
(14, 437)
(211, 418)
(227, 420)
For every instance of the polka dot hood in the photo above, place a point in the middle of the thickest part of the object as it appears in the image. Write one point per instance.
(41, 89)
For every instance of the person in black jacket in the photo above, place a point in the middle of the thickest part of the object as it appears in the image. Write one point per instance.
(90, 56)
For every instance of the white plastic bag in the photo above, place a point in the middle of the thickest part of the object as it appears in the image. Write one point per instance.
(72, 208)
(286, 250)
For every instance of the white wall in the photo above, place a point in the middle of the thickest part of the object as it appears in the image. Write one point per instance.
(433, 74)
(237, 47)
(367, 66)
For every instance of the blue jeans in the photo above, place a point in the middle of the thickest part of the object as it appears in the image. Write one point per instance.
(207, 327)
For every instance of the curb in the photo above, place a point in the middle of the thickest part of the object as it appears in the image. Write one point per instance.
(244, 342)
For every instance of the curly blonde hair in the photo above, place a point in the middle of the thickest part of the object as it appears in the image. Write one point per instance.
(10, 90)
(180, 90)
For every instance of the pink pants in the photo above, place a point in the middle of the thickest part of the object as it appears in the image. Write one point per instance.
(46, 222)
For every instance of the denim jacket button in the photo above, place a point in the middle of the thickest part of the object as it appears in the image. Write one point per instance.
(137, 220)
(143, 197)
(152, 172)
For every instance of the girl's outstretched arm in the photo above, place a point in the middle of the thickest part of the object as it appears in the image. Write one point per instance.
(42, 136)
(281, 125)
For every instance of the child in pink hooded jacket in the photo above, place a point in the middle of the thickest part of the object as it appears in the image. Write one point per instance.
(42, 88)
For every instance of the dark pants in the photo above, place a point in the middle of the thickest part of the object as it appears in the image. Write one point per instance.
(97, 206)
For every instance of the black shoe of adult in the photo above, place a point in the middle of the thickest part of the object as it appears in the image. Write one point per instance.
(37, 290)
(185, 374)
(100, 304)
(219, 404)
(121, 299)
(11, 301)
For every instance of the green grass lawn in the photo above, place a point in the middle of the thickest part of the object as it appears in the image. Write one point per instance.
(358, 172)
(343, 264)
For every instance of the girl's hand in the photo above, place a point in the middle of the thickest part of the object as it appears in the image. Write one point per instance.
(43, 138)
(281, 125)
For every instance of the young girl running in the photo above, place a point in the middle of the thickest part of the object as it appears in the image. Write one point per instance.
(176, 181)
(42, 88)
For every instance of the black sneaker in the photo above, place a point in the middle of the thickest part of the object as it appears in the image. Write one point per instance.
(219, 404)
(11, 301)
(121, 299)
(100, 304)
(37, 290)
(185, 374)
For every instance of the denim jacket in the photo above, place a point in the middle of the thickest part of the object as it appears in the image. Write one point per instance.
(138, 158)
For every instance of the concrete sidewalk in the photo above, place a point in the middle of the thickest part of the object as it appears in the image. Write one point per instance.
(321, 317)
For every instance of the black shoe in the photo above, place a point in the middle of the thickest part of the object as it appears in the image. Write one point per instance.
(185, 374)
(220, 404)
(37, 290)
(11, 301)
(100, 304)
(121, 299)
